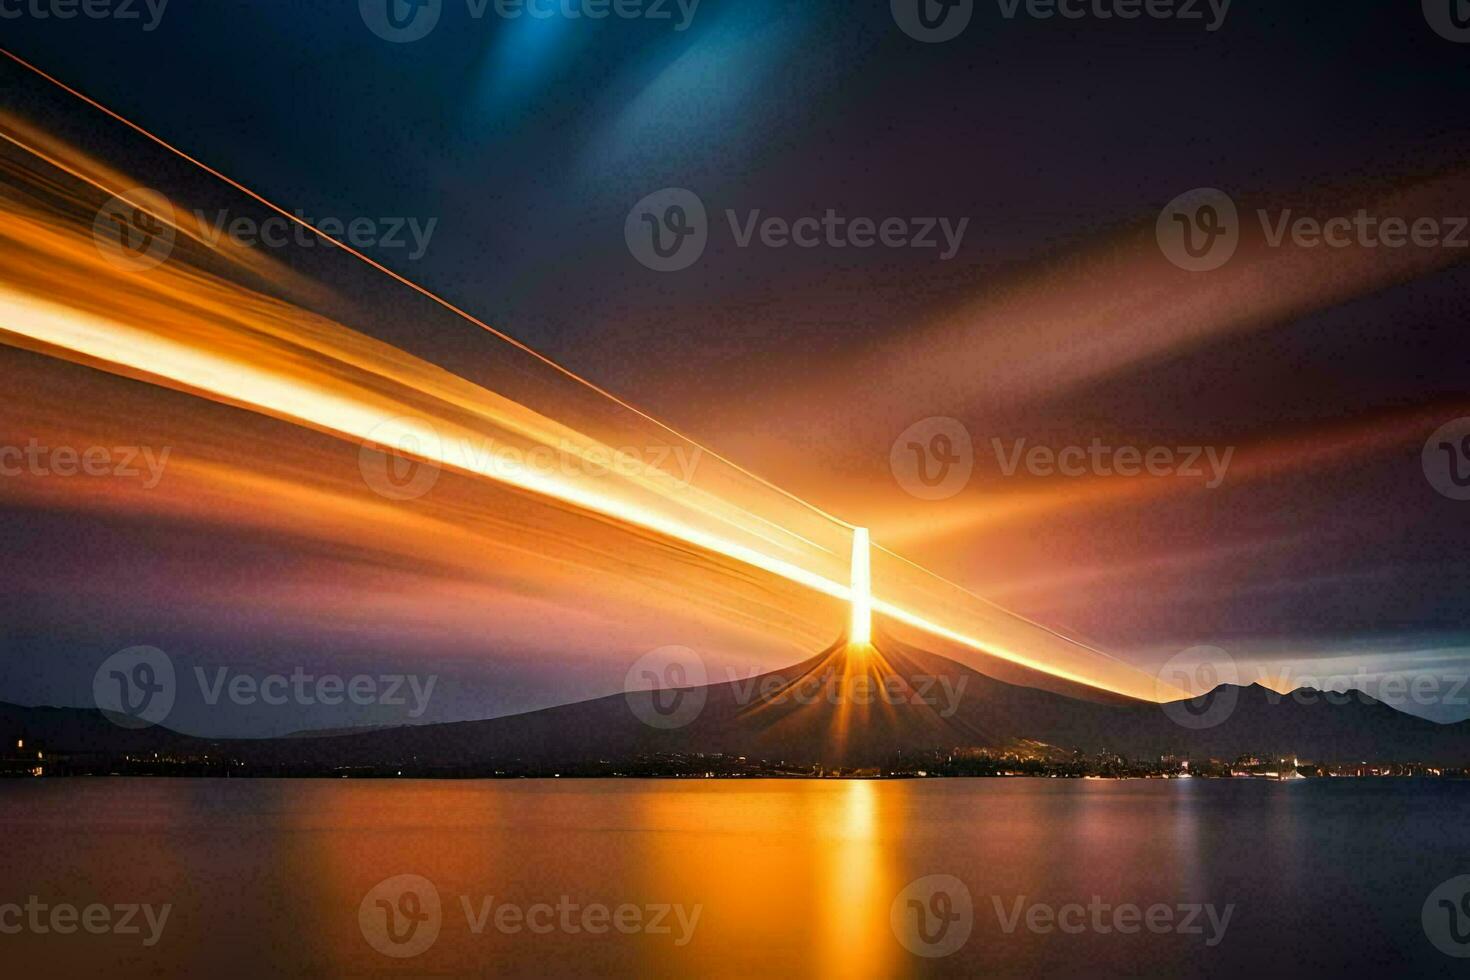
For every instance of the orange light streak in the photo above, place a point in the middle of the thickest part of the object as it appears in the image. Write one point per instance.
(228, 372)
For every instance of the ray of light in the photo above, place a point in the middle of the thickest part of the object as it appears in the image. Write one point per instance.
(184, 328)
(861, 631)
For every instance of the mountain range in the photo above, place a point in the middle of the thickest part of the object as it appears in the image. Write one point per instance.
(847, 707)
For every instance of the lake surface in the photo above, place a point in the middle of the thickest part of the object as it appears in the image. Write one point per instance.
(784, 878)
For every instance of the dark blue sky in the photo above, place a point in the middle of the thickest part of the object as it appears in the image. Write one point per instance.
(530, 139)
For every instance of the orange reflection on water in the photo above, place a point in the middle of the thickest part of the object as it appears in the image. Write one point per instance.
(857, 887)
(793, 872)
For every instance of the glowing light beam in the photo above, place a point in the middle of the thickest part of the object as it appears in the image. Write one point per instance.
(160, 352)
(861, 631)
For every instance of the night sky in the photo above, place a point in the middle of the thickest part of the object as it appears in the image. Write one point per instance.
(1057, 319)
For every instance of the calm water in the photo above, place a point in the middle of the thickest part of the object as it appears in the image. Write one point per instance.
(790, 878)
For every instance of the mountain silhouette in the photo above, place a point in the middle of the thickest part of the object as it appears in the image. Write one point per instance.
(847, 707)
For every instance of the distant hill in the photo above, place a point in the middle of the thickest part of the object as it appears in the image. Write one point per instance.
(829, 710)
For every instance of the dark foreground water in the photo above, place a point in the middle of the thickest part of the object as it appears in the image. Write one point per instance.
(1006, 877)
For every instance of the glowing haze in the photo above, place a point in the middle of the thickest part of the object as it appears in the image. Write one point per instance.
(212, 324)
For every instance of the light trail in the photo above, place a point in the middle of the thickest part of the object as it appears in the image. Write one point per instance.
(997, 607)
(861, 631)
(357, 414)
(236, 381)
(403, 280)
(986, 646)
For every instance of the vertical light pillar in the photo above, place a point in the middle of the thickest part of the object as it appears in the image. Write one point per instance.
(862, 585)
